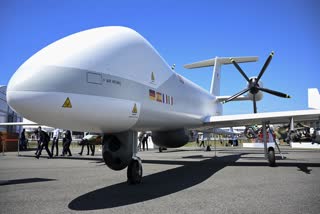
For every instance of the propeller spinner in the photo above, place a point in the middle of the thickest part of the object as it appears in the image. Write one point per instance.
(253, 84)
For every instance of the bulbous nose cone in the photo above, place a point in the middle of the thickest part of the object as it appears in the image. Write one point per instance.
(23, 94)
(16, 97)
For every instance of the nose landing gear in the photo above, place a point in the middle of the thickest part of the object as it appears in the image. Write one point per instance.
(134, 171)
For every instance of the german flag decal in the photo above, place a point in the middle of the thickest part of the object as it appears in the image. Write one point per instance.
(152, 94)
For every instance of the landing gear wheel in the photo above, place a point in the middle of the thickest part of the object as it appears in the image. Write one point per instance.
(160, 149)
(134, 172)
(271, 158)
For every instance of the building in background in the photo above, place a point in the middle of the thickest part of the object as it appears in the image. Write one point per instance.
(7, 114)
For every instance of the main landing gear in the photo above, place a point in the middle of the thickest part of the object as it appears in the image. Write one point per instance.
(271, 157)
(269, 151)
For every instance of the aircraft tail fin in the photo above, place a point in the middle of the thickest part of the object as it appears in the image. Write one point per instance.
(313, 98)
(217, 62)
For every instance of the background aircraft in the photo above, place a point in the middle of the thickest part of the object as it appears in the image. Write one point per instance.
(112, 81)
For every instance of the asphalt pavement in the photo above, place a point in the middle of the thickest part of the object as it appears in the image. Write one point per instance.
(187, 180)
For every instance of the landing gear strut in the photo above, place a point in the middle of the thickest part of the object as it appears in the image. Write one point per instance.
(134, 171)
(269, 152)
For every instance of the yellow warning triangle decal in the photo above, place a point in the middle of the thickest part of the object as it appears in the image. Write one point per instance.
(134, 110)
(67, 103)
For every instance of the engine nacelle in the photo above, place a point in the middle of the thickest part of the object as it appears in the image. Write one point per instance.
(170, 139)
(117, 150)
(259, 95)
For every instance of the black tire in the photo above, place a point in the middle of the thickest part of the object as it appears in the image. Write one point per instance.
(134, 172)
(271, 158)
(160, 149)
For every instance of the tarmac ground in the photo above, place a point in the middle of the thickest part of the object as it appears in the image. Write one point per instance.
(186, 180)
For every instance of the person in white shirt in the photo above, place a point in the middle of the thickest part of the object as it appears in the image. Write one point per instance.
(55, 141)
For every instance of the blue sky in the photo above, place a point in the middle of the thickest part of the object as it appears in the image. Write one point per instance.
(185, 32)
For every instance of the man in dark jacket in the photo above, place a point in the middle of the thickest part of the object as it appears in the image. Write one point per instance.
(23, 143)
(66, 143)
(43, 141)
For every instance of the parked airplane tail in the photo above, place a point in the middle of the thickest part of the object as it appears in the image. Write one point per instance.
(217, 62)
(313, 98)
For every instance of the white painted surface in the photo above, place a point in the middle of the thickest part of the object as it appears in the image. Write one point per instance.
(88, 113)
(257, 145)
(305, 145)
(115, 50)
(313, 98)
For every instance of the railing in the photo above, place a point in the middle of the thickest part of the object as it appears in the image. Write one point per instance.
(8, 140)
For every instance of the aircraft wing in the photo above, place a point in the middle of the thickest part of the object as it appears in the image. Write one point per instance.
(19, 124)
(208, 129)
(272, 117)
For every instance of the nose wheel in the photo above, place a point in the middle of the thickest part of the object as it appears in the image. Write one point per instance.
(134, 172)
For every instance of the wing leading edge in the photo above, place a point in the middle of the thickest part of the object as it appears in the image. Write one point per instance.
(20, 124)
(272, 117)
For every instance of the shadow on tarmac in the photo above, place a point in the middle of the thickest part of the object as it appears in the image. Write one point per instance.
(23, 181)
(153, 186)
(167, 182)
(303, 167)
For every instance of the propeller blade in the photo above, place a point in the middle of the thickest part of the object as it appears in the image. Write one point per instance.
(239, 69)
(266, 64)
(276, 93)
(254, 104)
(236, 95)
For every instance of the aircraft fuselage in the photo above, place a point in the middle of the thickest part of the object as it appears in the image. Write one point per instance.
(108, 79)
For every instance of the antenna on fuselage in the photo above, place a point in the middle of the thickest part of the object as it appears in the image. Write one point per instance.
(173, 66)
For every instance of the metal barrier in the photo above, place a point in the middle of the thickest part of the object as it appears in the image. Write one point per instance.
(4, 145)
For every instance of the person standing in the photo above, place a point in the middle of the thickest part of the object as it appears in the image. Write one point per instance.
(67, 141)
(55, 141)
(145, 142)
(89, 140)
(44, 141)
(84, 142)
(140, 141)
(36, 133)
(201, 138)
(22, 143)
(93, 148)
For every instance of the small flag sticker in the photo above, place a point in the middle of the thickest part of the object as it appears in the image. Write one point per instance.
(159, 97)
(152, 94)
(135, 110)
(67, 103)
